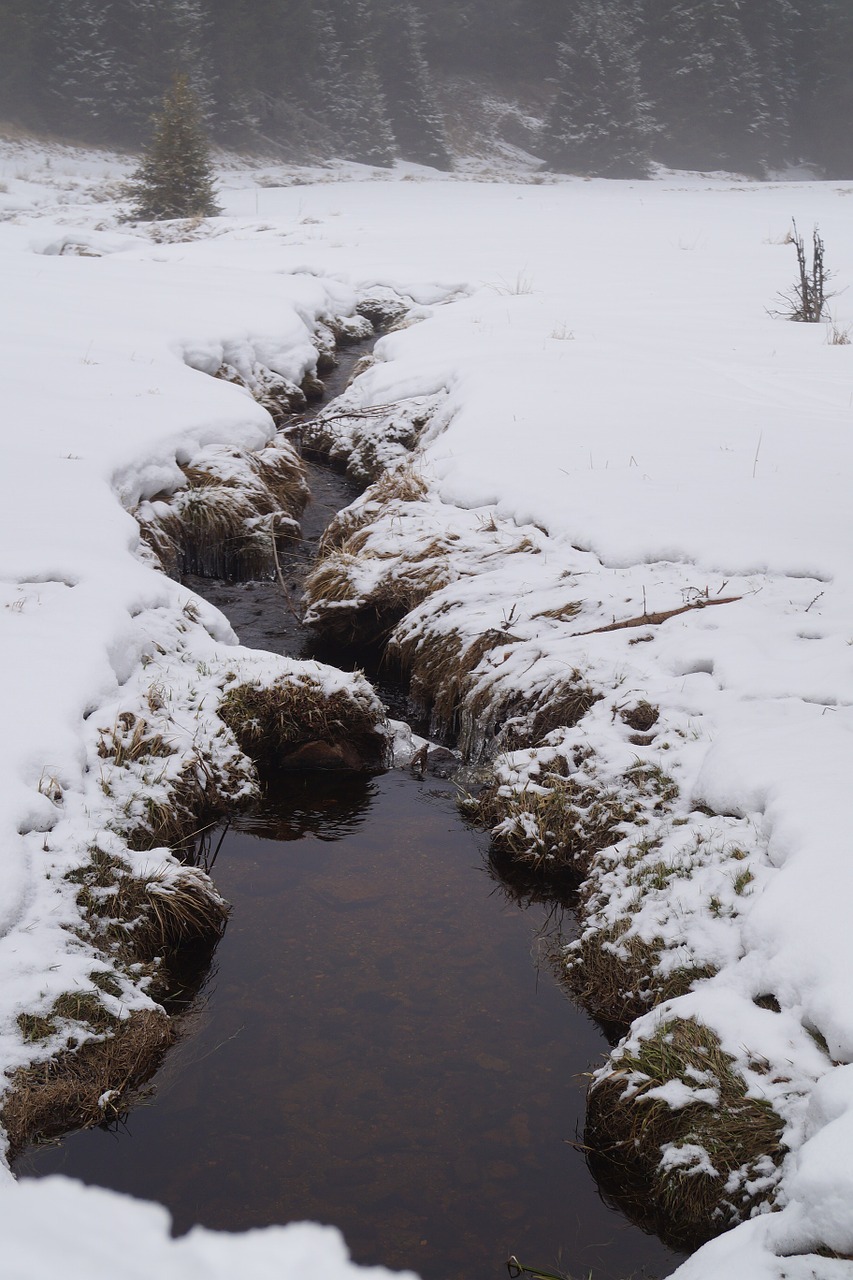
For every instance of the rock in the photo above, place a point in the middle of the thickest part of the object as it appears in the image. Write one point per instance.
(323, 755)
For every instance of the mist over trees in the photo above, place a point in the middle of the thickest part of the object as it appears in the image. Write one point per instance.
(741, 84)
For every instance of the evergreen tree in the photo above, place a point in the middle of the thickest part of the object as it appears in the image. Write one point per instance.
(353, 101)
(827, 103)
(405, 77)
(599, 122)
(22, 69)
(771, 27)
(175, 177)
(80, 83)
(703, 77)
(154, 41)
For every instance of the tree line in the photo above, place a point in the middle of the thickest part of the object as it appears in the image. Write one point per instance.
(743, 84)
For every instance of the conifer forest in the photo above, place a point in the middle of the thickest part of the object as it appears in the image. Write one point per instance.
(748, 85)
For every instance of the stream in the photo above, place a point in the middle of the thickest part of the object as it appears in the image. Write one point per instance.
(379, 1042)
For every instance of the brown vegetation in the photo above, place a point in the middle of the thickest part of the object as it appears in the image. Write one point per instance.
(721, 1147)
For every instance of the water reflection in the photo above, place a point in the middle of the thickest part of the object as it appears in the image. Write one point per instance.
(377, 1050)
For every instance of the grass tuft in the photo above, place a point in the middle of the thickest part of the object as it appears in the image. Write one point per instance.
(565, 821)
(135, 919)
(616, 975)
(231, 515)
(86, 1085)
(275, 723)
(689, 1171)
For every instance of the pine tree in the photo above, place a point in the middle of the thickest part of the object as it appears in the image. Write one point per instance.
(771, 27)
(352, 97)
(154, 41)
(80, 83)
(599, 123)
(23, 66)
(703, 77)
(828, 93)
(405, 78)
(175, 178)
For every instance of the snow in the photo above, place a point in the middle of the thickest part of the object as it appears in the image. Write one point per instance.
(58, 1227)
(616, 394)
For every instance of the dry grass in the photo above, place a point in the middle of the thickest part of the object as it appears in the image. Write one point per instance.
(131, 739)
(616, 976)
(565, 821)
(337, 609)
(440, 669)
(627, 1130)
(642, 717)
(171, 812)
(82, 1087)
(560, 707)
(134, 919)
(273, 722)
(226, 521)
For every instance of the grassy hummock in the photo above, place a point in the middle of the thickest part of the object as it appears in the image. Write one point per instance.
(231, 514)
(676, 1136)
(287, 722)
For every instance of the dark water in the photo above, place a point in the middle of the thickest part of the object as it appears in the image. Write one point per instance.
(376, 1048)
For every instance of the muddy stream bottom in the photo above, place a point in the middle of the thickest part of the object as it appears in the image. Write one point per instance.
(376, 1046)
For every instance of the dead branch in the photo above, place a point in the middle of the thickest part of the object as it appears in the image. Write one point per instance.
(655, 619)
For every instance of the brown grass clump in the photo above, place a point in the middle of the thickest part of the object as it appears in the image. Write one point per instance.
(565, 821)
(227, 520)
(163, 815)
(615, 975)
(720, 1149)
(440, 666)
(562, 823)
(642, 717)
(341, 614)
(84, 1086)
(136, 919)
(130, 739)
(560, 707)
(402, 485)
(100, 1057)
(275, 724)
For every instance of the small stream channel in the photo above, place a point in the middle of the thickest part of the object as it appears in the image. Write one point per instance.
(376, 1044)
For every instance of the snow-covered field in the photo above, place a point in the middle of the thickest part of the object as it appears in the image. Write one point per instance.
(620, 428)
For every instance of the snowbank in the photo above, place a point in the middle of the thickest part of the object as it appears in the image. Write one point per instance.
(58, 1227)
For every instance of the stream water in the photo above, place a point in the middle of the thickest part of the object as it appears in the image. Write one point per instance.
(376, 1044)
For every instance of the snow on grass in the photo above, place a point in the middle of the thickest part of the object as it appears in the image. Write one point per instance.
(620, 433)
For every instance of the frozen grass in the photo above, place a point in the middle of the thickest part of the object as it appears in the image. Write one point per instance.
(132, 918)
(227, 519)
(274, 723)
(616, 975)
(689, 1160)
(83, 1086)
(563, 821)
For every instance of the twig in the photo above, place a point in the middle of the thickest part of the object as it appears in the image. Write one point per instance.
(371, 411)
(281, 582)
(516, 1269)
(655, 619)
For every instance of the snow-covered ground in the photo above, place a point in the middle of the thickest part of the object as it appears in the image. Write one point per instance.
(621, 427)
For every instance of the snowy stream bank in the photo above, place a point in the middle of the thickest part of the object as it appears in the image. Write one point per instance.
(619, 429)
